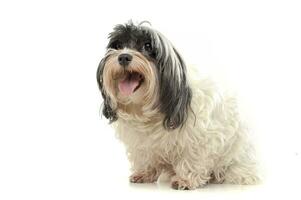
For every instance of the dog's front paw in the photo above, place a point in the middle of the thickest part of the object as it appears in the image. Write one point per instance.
(143, 177)
(181, 184)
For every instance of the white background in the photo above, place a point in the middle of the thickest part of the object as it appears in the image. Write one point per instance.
(53, 142)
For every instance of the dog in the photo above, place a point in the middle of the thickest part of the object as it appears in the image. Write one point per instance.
(169, 120)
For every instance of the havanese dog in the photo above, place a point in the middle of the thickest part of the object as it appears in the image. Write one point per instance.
(170, 120)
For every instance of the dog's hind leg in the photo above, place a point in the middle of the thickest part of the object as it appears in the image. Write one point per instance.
(242, 174)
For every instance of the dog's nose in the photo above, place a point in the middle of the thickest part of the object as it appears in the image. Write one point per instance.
(124, 59)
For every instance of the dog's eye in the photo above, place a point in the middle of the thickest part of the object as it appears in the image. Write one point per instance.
(148, 46)
(118, 46)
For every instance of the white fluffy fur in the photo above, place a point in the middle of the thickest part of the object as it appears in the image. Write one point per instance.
(212, 146)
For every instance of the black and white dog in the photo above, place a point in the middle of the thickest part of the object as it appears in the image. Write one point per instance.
(170, 121)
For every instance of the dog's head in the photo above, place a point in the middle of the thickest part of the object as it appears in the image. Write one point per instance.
(143, 74)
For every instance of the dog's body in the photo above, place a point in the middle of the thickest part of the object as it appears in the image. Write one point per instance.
(170, 121)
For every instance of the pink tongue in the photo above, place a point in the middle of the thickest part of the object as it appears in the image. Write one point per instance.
(128, 85)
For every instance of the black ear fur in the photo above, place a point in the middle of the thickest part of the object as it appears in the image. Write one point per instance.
(107, 110)
(175, 93)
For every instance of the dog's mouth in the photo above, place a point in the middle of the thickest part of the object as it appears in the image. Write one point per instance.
(130, 83)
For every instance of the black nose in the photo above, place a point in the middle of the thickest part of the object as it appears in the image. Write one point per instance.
(124, 59)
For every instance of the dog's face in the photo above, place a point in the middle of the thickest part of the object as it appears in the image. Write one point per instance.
(142, 73)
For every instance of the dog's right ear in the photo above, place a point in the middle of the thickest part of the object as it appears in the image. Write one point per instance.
(107, 110)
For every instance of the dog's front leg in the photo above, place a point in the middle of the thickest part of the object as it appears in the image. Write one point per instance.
(189, 175)
(145, 168)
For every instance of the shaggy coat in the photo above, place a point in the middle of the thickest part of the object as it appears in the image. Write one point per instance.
(172, 122)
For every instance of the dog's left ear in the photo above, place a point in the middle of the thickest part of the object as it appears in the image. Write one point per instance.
(107, 110)
(175, 93)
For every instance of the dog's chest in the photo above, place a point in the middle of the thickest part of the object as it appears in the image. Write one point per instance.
(156, 142)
